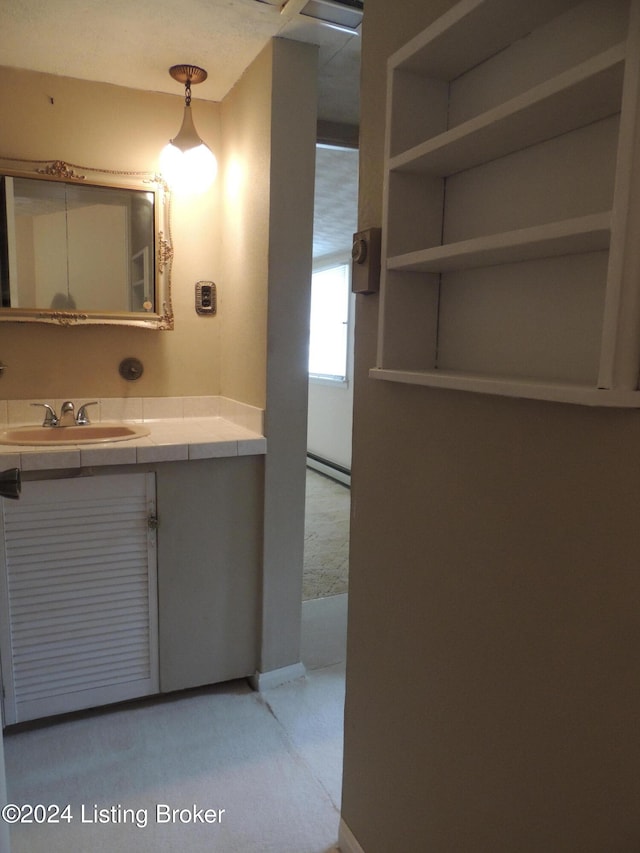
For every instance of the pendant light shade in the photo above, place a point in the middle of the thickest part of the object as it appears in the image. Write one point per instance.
(186, 163)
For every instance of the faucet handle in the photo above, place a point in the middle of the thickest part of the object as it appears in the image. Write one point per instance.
(50, 417)
(82, 417)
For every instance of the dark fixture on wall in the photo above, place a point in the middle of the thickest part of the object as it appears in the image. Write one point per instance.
(131, 369)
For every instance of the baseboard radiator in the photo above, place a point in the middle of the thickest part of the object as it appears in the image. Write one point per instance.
(329, 468)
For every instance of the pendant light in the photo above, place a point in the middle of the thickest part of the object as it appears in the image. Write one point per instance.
(186, 163)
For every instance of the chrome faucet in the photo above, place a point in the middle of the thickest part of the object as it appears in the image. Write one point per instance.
(68, 416)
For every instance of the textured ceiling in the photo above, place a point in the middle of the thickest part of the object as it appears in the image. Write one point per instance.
(336, 200)
(134, 42)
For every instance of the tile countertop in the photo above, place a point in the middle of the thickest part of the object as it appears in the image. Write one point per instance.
(227, 429)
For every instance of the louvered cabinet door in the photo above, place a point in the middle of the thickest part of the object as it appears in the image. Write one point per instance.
(78, 592)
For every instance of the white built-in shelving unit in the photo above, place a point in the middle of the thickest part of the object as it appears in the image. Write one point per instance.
(511, 232)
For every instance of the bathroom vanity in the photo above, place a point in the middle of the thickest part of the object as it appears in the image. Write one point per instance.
(132, 568)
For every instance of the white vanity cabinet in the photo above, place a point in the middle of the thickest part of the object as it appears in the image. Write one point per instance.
(511, 197)
(128, 581)
(78, 594)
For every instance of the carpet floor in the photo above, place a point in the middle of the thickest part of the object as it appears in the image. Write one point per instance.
(326, 541)
(268, 766)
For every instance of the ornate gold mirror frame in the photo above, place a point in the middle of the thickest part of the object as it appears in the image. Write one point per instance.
(160, 315)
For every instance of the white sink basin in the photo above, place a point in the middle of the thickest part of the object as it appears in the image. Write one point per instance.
(87, 434)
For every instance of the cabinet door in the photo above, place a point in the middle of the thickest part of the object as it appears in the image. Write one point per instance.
(78, 595)
(209, 543)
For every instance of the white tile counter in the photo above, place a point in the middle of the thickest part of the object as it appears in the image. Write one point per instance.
(181, 428)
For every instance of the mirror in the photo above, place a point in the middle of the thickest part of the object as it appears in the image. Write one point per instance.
(77, 250)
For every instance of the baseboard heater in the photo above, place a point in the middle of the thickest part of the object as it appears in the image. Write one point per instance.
(329, 468)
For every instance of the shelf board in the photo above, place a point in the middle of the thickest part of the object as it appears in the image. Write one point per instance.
(472, 31)
(570, 236)
(577, 97)
(522, 388)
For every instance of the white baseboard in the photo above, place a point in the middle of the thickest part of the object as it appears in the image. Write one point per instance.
(275, 677)
(347, 842)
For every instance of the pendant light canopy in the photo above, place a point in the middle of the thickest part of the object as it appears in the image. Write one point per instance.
(186, 163)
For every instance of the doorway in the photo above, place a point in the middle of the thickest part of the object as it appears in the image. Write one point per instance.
(330, 408)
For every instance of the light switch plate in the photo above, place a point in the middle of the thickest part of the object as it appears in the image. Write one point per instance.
(206, 297)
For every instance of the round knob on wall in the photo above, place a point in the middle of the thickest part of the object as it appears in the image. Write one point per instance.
(131, 369)
(359, 250)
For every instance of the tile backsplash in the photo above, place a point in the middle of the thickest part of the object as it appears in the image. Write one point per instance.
(15, 412)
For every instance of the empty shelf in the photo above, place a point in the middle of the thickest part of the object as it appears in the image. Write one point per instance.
(571, 236)
(584, 94)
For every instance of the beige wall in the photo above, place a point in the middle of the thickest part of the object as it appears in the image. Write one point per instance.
(292, 170)
(246, 116)
(269, 122)
(110, 127)
(493, 682)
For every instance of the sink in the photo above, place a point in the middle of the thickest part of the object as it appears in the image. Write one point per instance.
(86, 434)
